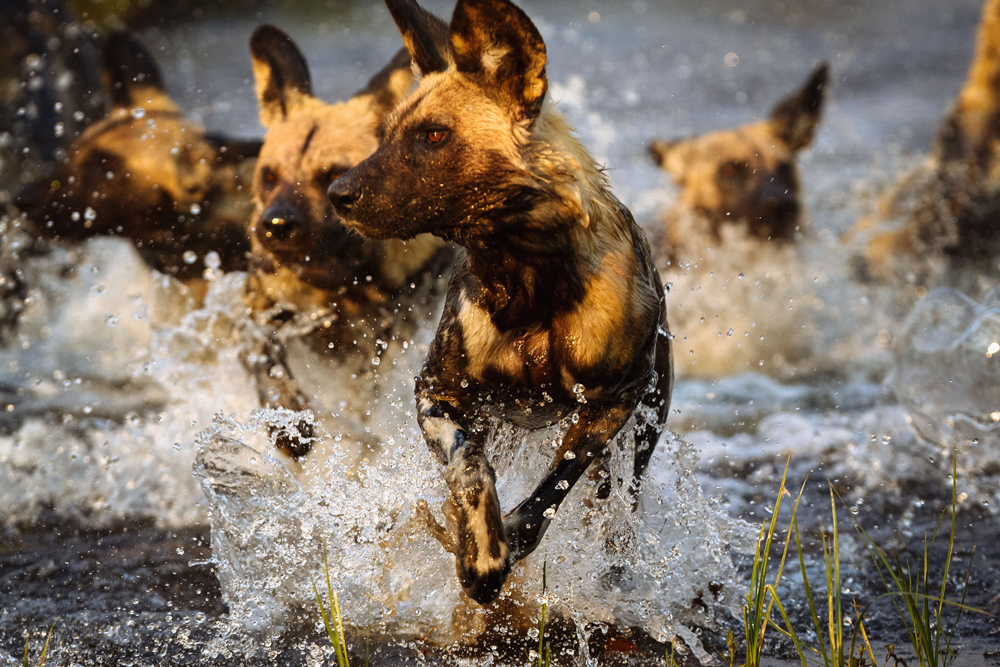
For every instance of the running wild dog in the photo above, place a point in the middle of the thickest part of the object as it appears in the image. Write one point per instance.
(147, 173)
(746, 175)
(555, 311)
(311, 278)
(943, 216)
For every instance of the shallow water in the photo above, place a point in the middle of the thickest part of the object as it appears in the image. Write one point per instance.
(132, 439)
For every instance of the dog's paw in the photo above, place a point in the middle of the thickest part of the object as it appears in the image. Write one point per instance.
(483, 581)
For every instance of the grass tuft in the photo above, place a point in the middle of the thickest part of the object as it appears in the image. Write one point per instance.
(919, 599)
(544, 654)
(330, 611)
(759, 601)
(911, 590)
(45, 649)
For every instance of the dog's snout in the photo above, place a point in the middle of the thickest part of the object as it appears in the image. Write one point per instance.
(343, 193)
(278, 224)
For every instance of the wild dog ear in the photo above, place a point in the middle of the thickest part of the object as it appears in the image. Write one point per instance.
(496, 43)
(130, 73)
(795, 118)
(674, 156)
(424, 35)
(659, 149)
(391, 84)
(281, 75)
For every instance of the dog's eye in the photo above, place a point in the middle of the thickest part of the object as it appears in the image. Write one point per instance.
(436, 136)
(268, 177)
(330, 175)
(733, 171)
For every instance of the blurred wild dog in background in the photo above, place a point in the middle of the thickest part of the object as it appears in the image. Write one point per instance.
(942, 220)
(312, 280)
(746, 175)
(555, 311)
(147, 173)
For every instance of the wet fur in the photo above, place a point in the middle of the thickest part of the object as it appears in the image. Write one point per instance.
(154, 177)
(554, 312)
(941, 219)
(746, 175)
(311, 278)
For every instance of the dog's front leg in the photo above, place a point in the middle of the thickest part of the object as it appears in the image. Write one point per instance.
(584, 441)
(276, 388)
(481, 551)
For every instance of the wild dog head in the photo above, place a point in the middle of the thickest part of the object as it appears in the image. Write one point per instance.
(308, 145)
(450, 159)
(748, 174)
(145, 172)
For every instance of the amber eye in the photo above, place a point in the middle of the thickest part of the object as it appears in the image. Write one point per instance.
(330, 175)
(436, 136)
(268, 177)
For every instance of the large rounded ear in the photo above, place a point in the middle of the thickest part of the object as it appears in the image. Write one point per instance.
(496, 43)
(281, 75)
(659, 149)
(424, 35)
(795, 118)
(130, 73)
(391, 84)
(675, 156)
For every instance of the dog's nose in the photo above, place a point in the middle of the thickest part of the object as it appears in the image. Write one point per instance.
(278, 224)
(343, 193)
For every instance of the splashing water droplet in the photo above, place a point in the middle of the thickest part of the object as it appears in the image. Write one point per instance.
(213, 261)
(195, 208)
(138, 112)
(90, 214)
(190, 257)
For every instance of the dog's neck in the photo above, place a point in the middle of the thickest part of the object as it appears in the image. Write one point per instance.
(553, 238)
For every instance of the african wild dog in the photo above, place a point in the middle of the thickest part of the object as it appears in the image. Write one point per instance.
(555, 311)
(944, 216)
(346, 297)
(146, 173)
(746, 175)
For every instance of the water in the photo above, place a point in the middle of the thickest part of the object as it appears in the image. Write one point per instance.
(127, 407)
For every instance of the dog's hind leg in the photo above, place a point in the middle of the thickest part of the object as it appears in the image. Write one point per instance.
(584, 442)
(481, 551)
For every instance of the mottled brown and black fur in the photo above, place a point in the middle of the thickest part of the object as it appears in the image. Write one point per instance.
(147, 173)
(554, 312)
(746, 175)
(311, 277)
(943, 218)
